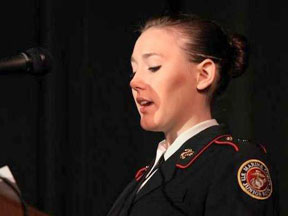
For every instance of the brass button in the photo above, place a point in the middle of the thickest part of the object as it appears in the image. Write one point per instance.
(229, 138)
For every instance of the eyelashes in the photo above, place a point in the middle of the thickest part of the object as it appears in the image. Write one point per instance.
(152, 69)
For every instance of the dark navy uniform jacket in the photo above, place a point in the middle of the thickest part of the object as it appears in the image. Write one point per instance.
(212, 173)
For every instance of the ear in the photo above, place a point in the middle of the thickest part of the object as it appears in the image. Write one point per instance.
(206, 74)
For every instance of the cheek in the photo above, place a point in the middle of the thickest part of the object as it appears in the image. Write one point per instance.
(177, 97)
(177, 87)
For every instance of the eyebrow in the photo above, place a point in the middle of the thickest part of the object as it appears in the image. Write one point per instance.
(145, 56)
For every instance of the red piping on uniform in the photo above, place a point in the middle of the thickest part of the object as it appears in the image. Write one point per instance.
(263, 147)
(139, 173)
(200, 152)
(227, 143)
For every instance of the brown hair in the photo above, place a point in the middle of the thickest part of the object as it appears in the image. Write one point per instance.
(207, 39)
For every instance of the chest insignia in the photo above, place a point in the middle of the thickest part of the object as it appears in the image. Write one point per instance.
(254, 179)
(186, 153)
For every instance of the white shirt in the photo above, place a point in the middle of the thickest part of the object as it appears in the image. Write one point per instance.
(178, 142)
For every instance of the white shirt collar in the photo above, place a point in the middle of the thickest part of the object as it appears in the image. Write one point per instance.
(182, 138)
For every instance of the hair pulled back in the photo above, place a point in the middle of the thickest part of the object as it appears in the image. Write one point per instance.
(206, 39)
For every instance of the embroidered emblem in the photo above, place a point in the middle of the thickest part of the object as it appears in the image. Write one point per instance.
(254, 179)
(186, 153)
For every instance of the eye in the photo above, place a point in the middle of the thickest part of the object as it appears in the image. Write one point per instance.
(154, 69)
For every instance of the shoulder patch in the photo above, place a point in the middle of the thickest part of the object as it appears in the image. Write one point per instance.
(254, 179)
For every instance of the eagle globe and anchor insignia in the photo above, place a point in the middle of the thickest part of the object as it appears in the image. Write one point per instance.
(186, 153)
(254, 179)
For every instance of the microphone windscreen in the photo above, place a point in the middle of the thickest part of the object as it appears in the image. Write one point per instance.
(41, 60)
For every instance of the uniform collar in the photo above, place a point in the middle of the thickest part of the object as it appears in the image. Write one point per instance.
(182, 138)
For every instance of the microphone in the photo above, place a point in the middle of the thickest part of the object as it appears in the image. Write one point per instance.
(36, 61)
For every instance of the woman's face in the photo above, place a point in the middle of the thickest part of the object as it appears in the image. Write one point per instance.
(164, 83)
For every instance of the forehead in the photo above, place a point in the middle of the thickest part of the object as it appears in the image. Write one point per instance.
(161, 41)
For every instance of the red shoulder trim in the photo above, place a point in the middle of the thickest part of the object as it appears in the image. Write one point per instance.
(200, 152)
(140, 173)
(227, 143)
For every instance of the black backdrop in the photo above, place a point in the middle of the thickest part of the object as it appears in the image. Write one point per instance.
(72, 138)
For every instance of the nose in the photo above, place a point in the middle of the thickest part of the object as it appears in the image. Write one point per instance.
(137, 83)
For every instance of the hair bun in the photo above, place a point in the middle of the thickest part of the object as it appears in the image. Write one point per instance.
(239, 55)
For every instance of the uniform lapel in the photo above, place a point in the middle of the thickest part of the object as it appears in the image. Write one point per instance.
(161, 176)
(124, 201)
(189, 151)
(119, 203)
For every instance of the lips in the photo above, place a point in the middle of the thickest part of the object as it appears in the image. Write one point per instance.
(144, 103)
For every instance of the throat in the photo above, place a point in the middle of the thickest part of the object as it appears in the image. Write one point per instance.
(171, 135)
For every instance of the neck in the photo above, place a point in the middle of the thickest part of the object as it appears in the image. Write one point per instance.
(172, 134)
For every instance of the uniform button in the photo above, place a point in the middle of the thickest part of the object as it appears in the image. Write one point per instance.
(229, 138)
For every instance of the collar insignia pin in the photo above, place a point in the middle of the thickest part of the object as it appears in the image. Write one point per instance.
(186, 153)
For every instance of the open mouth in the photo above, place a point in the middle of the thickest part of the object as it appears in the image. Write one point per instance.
(144, 103)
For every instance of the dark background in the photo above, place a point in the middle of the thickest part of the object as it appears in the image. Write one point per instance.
(72, 138)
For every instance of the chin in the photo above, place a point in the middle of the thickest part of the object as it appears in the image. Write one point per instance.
(150, 126)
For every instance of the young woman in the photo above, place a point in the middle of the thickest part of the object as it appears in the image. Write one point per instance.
(180, 64)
